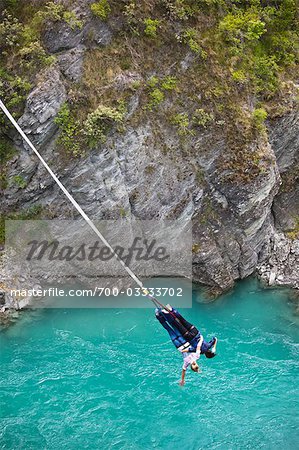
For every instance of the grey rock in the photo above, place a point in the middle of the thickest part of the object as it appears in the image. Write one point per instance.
(60, 37)
(284, 138)
(71, 62)
(9, 282)
(2, 297)
(126, 79)
(132, 105)
(187, 62)
(284, 260)
(286, 209)
(42, 105)
(272, 277)
(97, 33)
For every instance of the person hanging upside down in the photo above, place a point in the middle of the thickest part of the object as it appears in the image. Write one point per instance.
(186, 338)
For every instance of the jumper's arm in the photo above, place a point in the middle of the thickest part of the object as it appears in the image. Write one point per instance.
(182, 382)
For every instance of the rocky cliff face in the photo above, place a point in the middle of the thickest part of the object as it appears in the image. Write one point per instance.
(150, 171)
(281, 266)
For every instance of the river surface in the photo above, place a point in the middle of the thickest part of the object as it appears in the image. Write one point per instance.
(108, 378)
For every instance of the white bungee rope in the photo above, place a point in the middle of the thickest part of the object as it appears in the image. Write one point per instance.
(76, 205)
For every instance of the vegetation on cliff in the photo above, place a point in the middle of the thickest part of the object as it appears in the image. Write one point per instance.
(239, 49)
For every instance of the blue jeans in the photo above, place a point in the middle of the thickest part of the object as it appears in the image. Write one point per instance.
(180, 331)
(174, 333)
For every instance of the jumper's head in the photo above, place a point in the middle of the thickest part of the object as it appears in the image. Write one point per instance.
(210, 354)
(194, 366)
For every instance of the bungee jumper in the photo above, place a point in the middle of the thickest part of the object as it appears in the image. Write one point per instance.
(186, 338)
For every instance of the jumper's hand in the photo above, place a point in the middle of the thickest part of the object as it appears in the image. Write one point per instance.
(182, 382)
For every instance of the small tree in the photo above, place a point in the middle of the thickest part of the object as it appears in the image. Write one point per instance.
(151, 27)
(101, 9)
(99, 122)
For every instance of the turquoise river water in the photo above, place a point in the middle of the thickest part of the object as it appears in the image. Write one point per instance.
(108, 378)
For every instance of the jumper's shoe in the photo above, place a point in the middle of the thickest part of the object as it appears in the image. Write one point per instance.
(213, 349)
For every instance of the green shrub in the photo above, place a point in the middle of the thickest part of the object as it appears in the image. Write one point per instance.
(156, 97)
(99, 122)
(169, 83)
(11, 4)
(284, 46)
(3, 180)
(30, 33)
(259, 115)
(131, 15)
(282, 26)
(72, 20)
(20, 181)
(190, 38)
(34, 54)
(239, 76)
(181, 121)
(51, 12)
(156, 87)
(122, 212)
(242, 25)
(153, 82)
(259, 39)
(10, 32)
(69, 127)
(13, 91)
(151, 26)
(265, 74)
(202, 118)
(136, 85)
(101, 9)
(74, 137)
(55, 12)
(180, 9)
(7, 150)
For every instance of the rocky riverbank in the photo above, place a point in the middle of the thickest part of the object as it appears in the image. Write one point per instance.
(281, 267)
